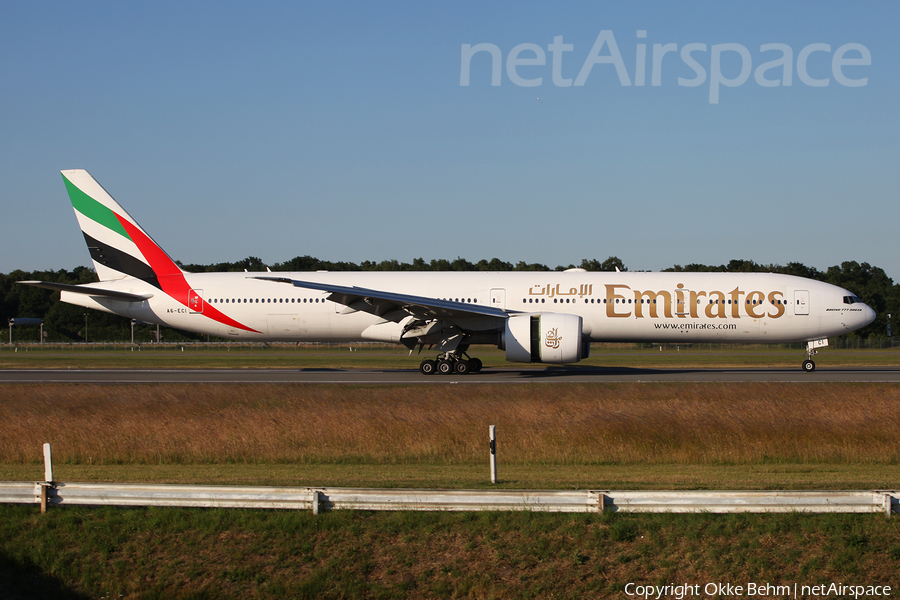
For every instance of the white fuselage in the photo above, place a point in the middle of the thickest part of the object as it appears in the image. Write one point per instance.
(615, 307)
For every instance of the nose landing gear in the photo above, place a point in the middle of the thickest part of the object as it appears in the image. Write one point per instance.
(808, 365)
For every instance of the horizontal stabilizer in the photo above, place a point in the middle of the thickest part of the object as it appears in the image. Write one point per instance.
(90, 291)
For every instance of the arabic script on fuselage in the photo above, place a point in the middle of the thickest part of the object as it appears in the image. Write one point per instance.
(585, 289)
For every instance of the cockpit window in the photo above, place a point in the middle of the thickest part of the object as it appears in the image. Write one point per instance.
(851, 300)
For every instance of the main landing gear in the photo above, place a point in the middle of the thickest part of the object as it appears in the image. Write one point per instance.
(449, 363)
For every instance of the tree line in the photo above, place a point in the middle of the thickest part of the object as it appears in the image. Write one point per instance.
(311, 263)
(69, 323)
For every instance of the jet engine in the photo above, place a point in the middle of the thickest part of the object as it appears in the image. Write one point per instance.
(545, 338)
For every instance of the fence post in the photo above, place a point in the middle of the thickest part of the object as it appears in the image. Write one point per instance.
(493, 433)
(48, 464)
(48, 478)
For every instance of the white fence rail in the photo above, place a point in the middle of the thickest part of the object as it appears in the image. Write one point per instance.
(321, 499)
(865, 501)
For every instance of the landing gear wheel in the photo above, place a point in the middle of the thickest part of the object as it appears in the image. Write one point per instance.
(444, 367)
(809, 366)
(475, 365)
(427, 367)
(462, 367)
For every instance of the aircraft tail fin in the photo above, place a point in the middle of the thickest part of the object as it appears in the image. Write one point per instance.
(118, 245)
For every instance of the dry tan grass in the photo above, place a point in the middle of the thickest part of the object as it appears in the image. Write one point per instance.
(537, 423)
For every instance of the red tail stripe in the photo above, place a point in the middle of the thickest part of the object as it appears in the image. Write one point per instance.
(170, 277)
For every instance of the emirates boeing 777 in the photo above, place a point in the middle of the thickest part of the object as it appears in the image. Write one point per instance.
(536, 317)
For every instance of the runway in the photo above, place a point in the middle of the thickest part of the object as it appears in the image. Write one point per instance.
(412, 376)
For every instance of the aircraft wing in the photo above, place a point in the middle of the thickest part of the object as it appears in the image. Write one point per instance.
(90, 291)
(393, 306)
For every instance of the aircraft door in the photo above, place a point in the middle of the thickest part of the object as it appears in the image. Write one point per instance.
(195, 301)
(498, 298)
(801, 302)
(681, 302)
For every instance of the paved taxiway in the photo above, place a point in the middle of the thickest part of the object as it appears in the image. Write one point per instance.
(491, 376)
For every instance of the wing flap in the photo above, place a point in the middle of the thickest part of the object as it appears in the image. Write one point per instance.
(394, 306)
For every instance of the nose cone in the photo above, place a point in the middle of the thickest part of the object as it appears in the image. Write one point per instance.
(868, 315)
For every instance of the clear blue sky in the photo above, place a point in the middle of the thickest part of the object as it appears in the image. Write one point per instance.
(341, 130)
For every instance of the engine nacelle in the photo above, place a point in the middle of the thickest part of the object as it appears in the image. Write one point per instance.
(545, 338)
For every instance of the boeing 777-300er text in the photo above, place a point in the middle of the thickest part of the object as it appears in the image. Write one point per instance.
(536, 317)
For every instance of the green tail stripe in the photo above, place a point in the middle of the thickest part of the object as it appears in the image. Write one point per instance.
(94, 210)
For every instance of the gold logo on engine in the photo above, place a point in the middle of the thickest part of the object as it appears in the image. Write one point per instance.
(553, 339)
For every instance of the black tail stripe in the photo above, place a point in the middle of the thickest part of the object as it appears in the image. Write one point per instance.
(120, 261)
